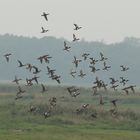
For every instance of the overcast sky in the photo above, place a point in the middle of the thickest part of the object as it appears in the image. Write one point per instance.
(108, 20)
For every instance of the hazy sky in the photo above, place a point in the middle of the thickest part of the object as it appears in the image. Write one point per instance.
(108, 20)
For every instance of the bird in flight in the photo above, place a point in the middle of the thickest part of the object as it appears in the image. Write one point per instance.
(114, 87)
(29, 67)
(74, 38)
(93, 61)
(16, 80)
(21, 64)
(129, 87)
(56, 77)
(43, 88)
(73, 91)
(72, 73)
(93, 69)
(77, 27)
(45, 15)
(106, 67)
(76, 61)
(44, 30)
(36, 70)
(113, 81)
(29, 82)
(114, 102)
(50, 71)
(85, 55)
(102, 57)
(20, 90)
(123, 81)
(124, 68)
(47, 114)
(81, 74)
(66, 47)
(7, 56)
(35, 78)
(85, 105)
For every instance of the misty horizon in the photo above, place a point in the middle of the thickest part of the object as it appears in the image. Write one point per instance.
(68, 40)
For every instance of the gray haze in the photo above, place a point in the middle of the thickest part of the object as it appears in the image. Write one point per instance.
(106, 20)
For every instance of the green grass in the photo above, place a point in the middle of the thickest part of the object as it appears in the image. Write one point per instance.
(68, 132)
(57, 131)
(17, 123)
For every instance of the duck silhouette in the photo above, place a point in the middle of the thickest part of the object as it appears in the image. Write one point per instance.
(93, 69)
(29, 67)
(66, 47)
(131, 87)
(20, 90)
(16, 80)
(35, 78)
(93, 61)
(47, 114)
(43, 88)
(72, 73)
(36, 70)
(114, 102)
(44, 30)
(50, 71)
(82, 74)
(7, 56)
(45, 15)
(123, 81)
(76, 61)
(113, 81)
(106, 67)
(85, 55)
(102, 57)
(21, 64)
(114, 87)
(124, 68)
(77, 27)
(74, 38)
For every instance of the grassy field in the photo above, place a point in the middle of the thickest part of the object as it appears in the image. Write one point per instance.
(17, 123)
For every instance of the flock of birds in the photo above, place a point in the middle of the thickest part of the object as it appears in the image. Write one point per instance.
(72, 90)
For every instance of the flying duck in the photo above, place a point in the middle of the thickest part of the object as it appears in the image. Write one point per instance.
(76, 61)
(7, 56)
(81, 74)
(72, 73)
(66, 47)
(77, 27)
(124, 68)
(43, 88)
(44, 30)
(85, 55)
(45, 15)
(106, 67)
(74, 38)
(21, 64)
(16, 80)
(102, 57)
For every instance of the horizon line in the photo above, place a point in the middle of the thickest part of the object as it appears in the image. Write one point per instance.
(63, 38)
